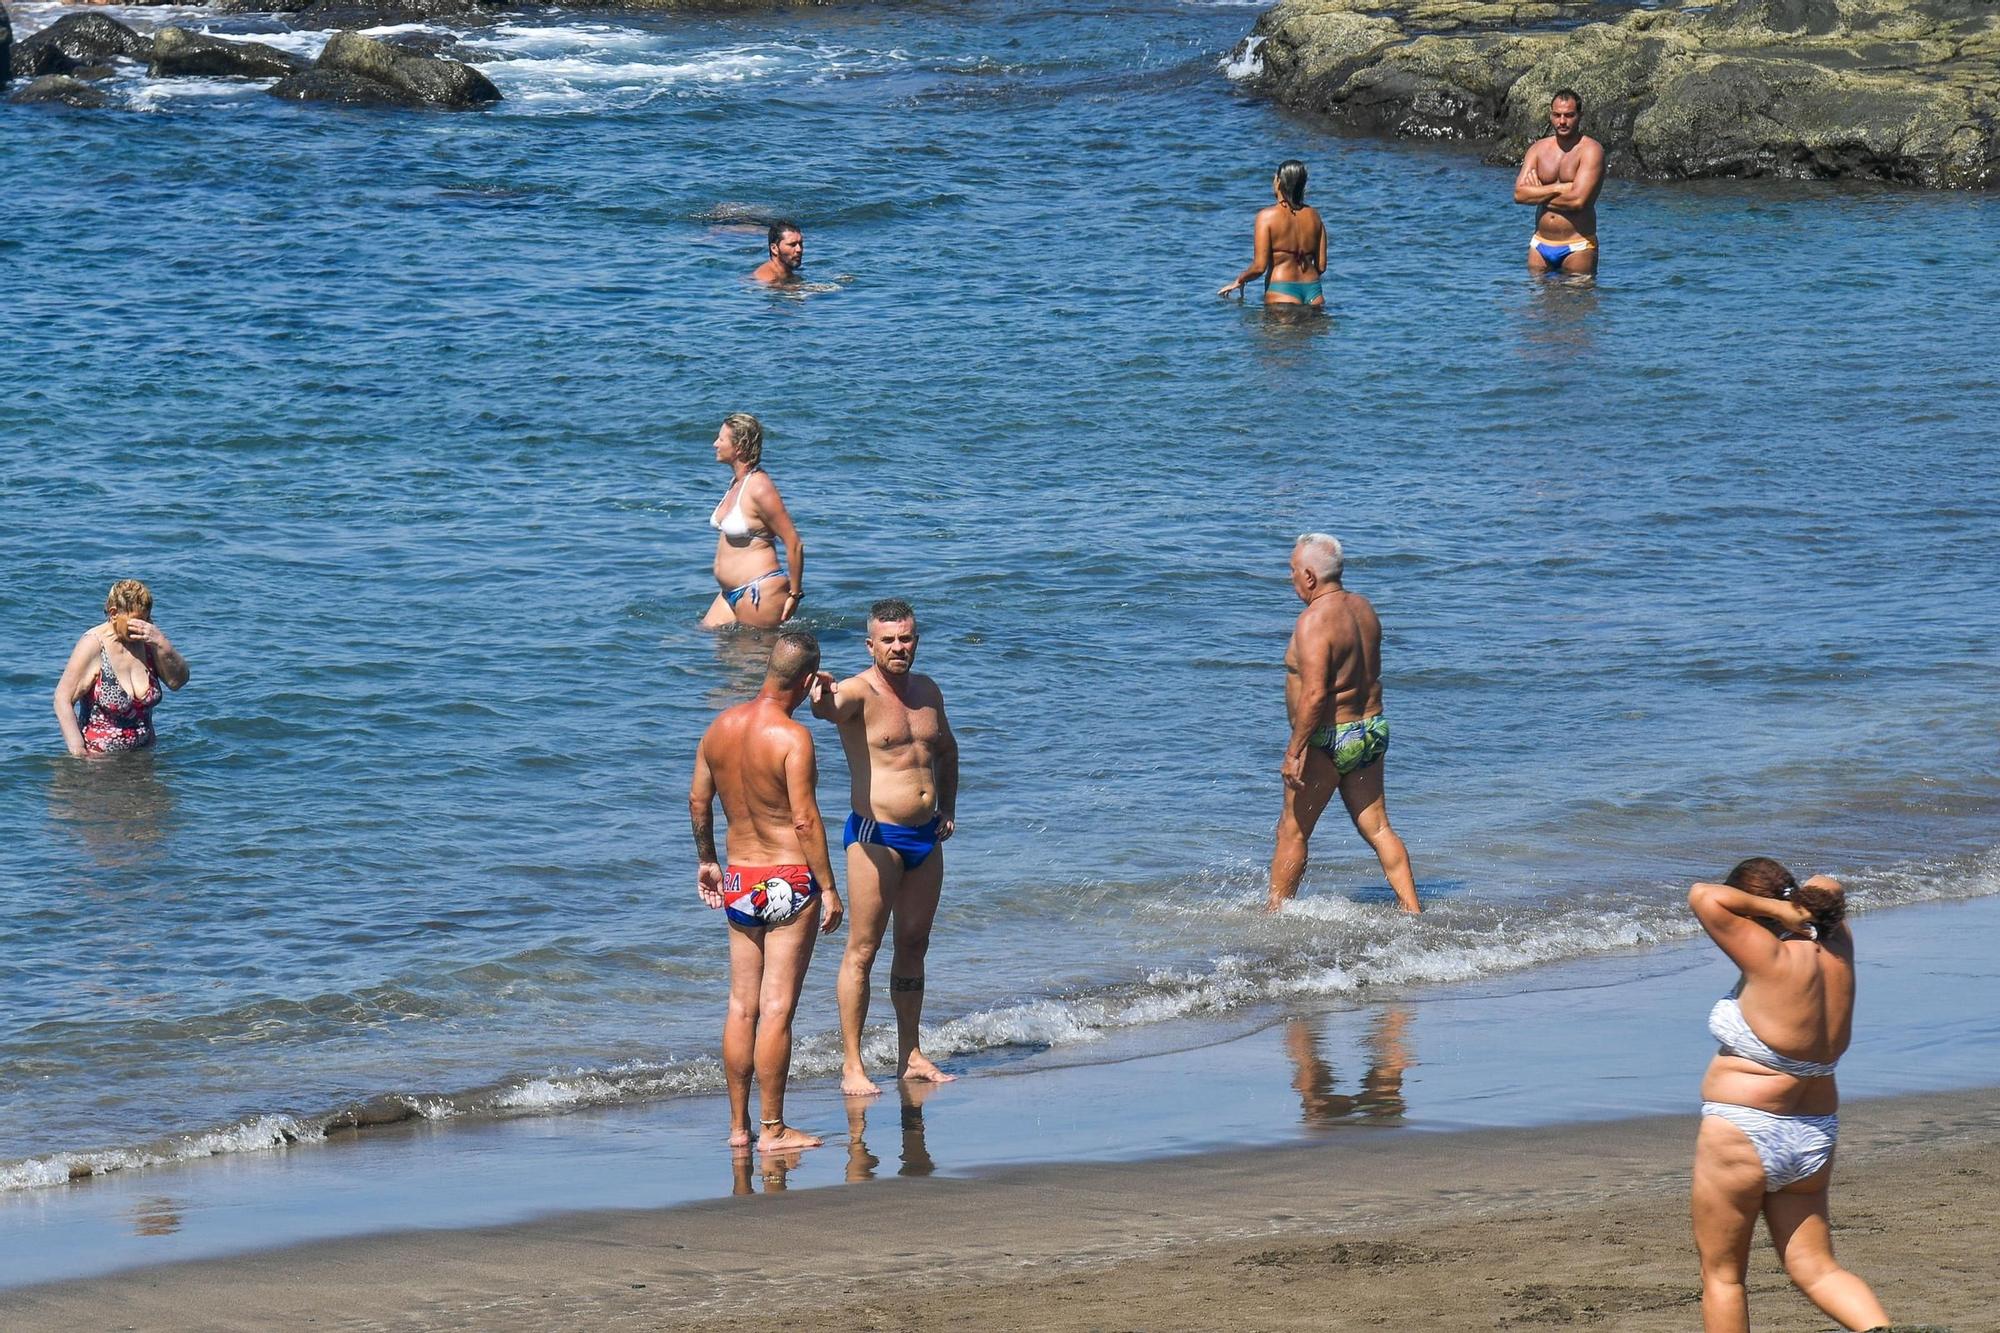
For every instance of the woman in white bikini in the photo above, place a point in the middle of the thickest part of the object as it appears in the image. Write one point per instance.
(749, 522)
(1769, 1116)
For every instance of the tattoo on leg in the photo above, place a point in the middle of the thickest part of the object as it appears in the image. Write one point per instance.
(906, 983)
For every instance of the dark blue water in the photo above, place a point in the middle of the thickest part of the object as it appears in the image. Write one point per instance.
(405, 418)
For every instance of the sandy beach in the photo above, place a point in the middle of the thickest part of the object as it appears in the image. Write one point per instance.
(1569, 1226)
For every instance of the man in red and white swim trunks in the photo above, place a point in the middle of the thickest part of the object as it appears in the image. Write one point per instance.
(778, 890)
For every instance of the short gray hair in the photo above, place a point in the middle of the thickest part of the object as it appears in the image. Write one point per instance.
(1322, 554)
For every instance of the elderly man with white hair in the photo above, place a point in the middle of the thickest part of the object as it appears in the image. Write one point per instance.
(1333, 696)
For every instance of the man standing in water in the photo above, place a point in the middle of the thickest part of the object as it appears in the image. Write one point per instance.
(1333, 696)
(1561, 176)
(778, 888)
(904, 763)
(787, 245)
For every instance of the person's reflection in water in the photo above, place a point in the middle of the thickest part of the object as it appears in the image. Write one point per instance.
(1381, 1093)
(117, 807)
(772, 1168)
(916, 1154)
(157, 1216)
(741, 654)
(1560, 317)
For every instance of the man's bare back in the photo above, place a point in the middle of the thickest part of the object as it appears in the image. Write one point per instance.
(1340, 638)
(751, 751)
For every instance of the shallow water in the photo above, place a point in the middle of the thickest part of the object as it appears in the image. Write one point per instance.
(406, 420)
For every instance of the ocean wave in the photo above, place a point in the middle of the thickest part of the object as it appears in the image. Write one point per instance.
(1244, 62)
(1322, 948)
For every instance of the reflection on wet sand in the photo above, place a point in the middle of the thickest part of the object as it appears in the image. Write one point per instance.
(115, 805)
(771, 1168)
(915, 1153)
(1380, 1096)
(156, 1216)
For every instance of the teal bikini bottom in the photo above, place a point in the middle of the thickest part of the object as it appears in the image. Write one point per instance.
(1305, 293)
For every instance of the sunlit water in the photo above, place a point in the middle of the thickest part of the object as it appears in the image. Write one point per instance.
(405, 418)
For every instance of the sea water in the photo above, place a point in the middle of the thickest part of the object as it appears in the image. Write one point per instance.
(406, 419)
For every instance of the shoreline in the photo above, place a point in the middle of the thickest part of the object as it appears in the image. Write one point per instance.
(1564, 1049)
(1500, 1228)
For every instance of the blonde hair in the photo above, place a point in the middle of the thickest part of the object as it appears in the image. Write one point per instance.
(129, 597)
(747, 434)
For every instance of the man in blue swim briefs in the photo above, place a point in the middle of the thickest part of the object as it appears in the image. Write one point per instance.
(1561, 176)
(904, 766)
(777, 891)
(1333, 696)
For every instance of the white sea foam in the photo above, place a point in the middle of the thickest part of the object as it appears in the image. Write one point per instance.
(1245, 62)
(1322, 947)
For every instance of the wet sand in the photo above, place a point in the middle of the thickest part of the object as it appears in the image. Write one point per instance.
(1565, 1226)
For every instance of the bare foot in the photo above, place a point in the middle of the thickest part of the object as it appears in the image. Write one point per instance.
(1275, 905)
(785, 1139)
(854, 1083)
(1411, 909)
(920, 1069)
(739, 1138)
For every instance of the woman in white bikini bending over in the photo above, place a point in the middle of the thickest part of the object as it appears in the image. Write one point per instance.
(748, 523)
(1768, 1110)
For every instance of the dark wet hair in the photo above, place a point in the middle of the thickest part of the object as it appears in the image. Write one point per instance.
(780, 229)
(892, 609)
(794, 657)
(1766, 878)
(1292, 181)
(1568, 95)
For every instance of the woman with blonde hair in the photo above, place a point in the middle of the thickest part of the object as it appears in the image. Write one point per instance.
(1769, 1111)
(749, 523)
(114, 676)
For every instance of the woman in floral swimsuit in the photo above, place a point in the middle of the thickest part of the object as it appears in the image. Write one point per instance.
(114, 676)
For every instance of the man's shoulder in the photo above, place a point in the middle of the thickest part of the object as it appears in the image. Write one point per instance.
(1592, 144)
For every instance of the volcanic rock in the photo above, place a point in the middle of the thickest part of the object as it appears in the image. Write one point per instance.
(60, 88)
(361, 71)
(178, 51)
(1894, 90)
(73, 41)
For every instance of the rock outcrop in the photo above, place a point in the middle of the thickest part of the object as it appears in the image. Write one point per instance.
(178, 51)
(1894, 90)
(60, 88)
(361, 71)
(73, 42)
(362, 13)
(6, 47)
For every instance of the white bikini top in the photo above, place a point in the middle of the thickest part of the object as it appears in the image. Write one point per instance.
(734, 524)
(1727, 1025)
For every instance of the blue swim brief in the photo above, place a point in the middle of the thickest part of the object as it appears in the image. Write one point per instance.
(913, 845)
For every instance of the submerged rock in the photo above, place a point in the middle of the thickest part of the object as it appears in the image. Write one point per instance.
(178, 51)
(74, 41)
(361, 71)
(1895, 90)
(60, 88)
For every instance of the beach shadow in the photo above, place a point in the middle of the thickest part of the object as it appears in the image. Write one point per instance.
(1380, 1096)
(115, 805)
(914, 1154)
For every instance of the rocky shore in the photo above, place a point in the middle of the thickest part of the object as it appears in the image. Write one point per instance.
(1905, 91)
(64, 62)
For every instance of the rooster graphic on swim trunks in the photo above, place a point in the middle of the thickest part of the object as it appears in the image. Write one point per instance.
(767, 895)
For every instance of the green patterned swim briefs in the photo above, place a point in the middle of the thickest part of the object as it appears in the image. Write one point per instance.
(1353, 745)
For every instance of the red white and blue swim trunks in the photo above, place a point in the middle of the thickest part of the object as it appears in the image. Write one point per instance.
(758, 896)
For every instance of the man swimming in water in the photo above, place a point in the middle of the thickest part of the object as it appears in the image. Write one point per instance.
(1333, 696)
(904, 762)
(1561, 176)
(778, 888)
(787, 245)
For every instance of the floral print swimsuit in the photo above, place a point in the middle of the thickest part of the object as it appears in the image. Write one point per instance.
(117, 720)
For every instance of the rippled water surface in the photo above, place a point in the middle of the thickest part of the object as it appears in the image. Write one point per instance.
(405, 418)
